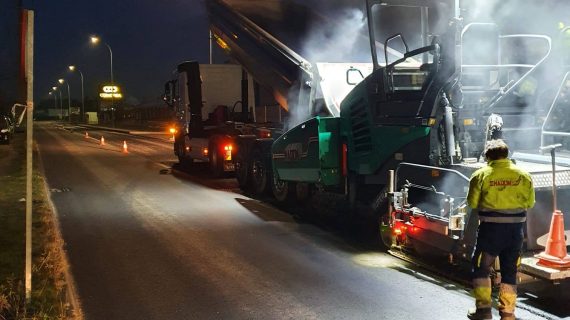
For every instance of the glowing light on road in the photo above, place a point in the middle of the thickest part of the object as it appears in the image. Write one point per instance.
(375, 260)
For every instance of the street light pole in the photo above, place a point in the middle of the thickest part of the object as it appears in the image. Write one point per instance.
(111, 55)
(60, 103)
(95, 40)
(82, 112)
(68, 99)
(54, 99)
(60, 106)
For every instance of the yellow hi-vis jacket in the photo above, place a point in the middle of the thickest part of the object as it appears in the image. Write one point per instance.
(501, 192)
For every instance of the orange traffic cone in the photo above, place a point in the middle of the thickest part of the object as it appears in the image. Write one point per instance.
(86, 135)
(102, 141)
(125, 150)
(555, 255)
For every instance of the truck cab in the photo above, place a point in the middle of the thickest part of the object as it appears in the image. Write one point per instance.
(211, 104)
(204, 99)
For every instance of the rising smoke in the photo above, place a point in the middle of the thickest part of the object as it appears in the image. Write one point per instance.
(534, 94)
(340, 38)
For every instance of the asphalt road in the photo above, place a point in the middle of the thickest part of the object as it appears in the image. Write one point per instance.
(146, 242)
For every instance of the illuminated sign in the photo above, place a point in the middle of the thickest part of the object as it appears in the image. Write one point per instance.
(110, 89)
(110, 92)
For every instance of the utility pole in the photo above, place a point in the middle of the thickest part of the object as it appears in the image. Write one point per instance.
(28, 16)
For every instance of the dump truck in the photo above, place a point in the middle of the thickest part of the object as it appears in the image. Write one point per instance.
(210, 104)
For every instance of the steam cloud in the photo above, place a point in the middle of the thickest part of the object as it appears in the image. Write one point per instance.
(536, 92)
(339, 41)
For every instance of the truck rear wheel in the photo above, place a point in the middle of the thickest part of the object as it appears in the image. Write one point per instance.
(283, 191)
(243, 173)
(216, 163)
(352, 191)
(260, 173)
(183, 157)
(303, 191)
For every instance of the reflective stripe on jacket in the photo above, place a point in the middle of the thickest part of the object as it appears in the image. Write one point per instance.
(501, 191)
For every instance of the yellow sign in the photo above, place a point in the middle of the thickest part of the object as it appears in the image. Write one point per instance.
(110, 95)
(110, 92)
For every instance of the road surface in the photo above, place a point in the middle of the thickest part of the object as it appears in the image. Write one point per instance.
(147, 242)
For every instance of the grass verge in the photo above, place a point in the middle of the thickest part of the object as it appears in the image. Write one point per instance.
(49, 300)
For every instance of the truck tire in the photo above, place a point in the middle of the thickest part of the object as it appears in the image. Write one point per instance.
(261, 173)
(352, 196)
(243, 168)
(242, 161)
(216, 162)
(303, 191)
(283, 191)
(183, 158)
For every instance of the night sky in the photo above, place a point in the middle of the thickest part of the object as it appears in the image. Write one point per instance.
(148, 39)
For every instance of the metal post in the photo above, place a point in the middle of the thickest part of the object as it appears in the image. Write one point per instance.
(55, 100)
(211, 58)
(425, 31)
(60, 106)
(72, 68)
(82, 113)
(111, 55)
(29, 145)
(112, 83)
(554, 200)
(68, 103)
(552, 149)
(391, 187)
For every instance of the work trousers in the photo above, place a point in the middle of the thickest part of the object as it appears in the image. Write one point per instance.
(503, 240)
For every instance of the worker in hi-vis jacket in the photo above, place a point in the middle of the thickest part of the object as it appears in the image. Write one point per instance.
(501, 192)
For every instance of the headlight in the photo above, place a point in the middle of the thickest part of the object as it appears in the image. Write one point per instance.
(4, 130)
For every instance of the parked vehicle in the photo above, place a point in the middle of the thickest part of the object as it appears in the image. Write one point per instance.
(211, 105)
(6, 129)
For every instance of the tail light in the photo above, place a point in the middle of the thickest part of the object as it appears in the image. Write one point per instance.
(399, 228)
(264, 134)
(228, 152)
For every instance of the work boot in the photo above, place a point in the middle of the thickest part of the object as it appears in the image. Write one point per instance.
(507, 301)
(507, 316)
(480, 314)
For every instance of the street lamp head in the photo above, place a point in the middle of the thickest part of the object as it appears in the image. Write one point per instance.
(94, 39)
(54, 88)
(61, 81)
(71, 68)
